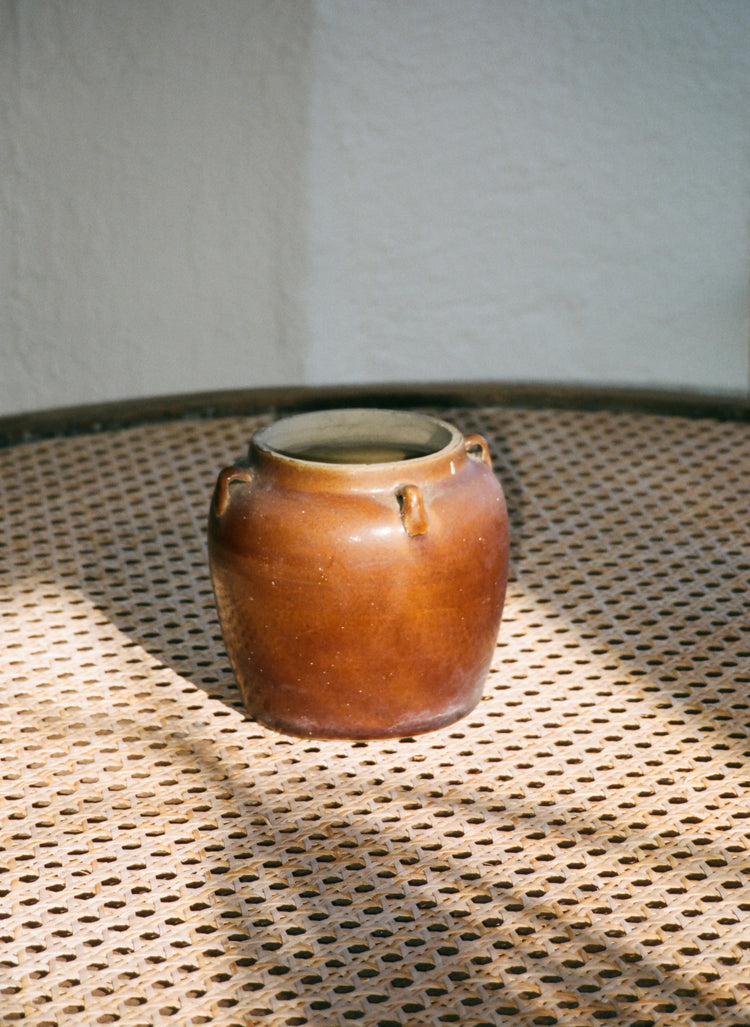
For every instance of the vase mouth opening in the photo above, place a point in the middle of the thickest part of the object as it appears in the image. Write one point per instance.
(356, 437)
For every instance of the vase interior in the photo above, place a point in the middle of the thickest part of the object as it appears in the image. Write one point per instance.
(356, 436)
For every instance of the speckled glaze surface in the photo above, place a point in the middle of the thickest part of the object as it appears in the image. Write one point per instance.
(359, 562)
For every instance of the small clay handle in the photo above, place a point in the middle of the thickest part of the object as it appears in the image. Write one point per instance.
(413, 513)
(226, 477)
(476, 445)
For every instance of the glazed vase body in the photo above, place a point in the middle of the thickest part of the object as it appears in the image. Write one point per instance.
(359, 563)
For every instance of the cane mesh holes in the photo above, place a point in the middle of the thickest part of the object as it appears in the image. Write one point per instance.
(574, 852)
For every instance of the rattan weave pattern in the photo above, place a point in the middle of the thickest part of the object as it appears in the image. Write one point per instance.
(575, 852)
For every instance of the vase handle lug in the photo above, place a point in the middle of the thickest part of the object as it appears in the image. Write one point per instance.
(476, 446)
(224, 481)
(413, 512)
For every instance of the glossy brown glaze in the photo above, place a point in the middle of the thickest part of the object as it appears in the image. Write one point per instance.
(360, 600)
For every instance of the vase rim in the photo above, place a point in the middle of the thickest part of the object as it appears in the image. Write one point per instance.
(354, 437)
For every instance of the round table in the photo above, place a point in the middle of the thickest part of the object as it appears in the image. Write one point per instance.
(576, 851)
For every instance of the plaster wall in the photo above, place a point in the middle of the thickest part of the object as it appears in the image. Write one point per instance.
(152, 197)
(198, 196)
(540, 190)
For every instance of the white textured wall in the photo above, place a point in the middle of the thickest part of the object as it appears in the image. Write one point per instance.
(153, 203)
(531, 190)
(199, 195)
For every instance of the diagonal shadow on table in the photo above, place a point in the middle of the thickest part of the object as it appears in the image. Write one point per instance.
(358, 914)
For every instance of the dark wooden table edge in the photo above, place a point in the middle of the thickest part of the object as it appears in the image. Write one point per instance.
(62, 421)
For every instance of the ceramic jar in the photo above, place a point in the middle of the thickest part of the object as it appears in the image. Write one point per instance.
(359, 562)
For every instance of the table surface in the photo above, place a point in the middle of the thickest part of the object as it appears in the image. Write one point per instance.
(573, 852)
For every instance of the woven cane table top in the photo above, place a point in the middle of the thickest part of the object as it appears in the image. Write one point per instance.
(575, 852)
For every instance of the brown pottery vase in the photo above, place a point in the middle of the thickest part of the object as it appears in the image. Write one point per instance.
(359, 562)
